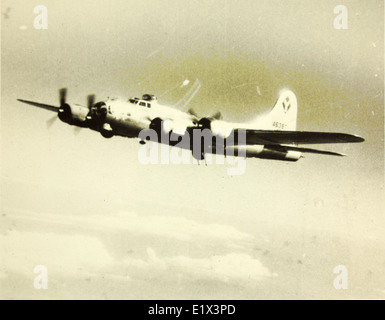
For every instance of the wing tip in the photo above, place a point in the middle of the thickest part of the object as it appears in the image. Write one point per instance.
(359, 139)
(351, 138)
(24, 101)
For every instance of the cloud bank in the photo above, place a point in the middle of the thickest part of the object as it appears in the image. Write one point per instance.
(86, 255)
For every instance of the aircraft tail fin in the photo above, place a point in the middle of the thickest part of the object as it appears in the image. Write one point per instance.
(283, 116)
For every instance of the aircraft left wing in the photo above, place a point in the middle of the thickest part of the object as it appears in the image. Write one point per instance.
(40, 105)
(272, 137)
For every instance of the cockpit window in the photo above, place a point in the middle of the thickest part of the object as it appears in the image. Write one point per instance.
(142, 103)
(134, 100)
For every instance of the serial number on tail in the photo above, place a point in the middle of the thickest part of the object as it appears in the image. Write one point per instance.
(279, 125)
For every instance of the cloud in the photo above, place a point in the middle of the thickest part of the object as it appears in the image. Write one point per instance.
(225, 268)
(70, 255)
(174, 227)
(85, 256)
(179, 228)
(234, 266)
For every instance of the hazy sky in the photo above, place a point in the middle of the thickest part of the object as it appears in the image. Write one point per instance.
(108, 227)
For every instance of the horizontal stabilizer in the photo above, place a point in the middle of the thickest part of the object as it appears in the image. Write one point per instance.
(40, 105)
(304, 150)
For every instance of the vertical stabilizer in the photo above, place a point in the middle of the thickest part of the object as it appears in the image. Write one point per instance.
(283, 116)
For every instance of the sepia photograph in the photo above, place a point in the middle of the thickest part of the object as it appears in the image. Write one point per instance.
(192, 150)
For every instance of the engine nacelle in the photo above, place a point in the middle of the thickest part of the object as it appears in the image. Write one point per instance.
(262, 152)
(166, 127)
(157, 125)
(73, 114)
(217, 127)
(106, 131)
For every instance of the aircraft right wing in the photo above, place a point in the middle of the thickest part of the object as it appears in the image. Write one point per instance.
(272, 137)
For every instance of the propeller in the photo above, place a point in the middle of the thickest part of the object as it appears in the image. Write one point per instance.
(62, 101)
(51, 122)
(192, 112)
(63, 96)
(90, 101)
(64, 108)
(217, 116)
(90, 104)
(77, 130)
